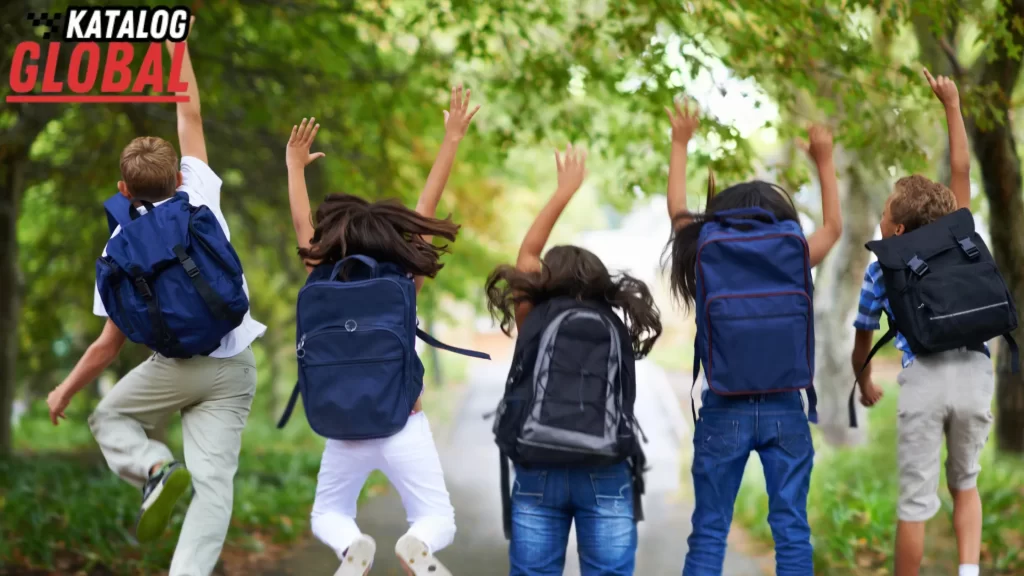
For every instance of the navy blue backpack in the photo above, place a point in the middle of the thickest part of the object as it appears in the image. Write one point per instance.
(170, 280)
(755, 318)
(359, 374)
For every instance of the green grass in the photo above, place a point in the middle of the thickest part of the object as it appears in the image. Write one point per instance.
(852, 506)
(63, 510)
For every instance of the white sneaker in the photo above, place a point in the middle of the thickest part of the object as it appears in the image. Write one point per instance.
(358, 558)
(417, 558)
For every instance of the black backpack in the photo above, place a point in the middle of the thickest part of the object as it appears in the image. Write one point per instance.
(944, 289)
(569, 395)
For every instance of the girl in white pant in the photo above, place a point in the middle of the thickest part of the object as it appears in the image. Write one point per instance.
(392, 233)
(409, 459)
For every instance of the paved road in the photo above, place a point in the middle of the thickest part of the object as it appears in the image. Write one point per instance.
(471, 469)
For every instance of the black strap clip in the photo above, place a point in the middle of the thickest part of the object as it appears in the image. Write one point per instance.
(969, 248)
(190, 267)
(143, 287)
(918, 266)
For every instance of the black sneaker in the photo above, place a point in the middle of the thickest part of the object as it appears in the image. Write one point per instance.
(159, 496)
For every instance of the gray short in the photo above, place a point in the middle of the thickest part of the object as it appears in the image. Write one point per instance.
(943, 394)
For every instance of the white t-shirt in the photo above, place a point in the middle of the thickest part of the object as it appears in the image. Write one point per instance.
(203, 188)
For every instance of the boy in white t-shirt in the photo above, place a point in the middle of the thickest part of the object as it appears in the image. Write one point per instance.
(213, 393)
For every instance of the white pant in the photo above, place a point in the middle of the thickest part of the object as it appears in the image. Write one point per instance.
(409, 459)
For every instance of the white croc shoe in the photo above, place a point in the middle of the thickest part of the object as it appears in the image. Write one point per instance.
(358, 558)
(417, 558)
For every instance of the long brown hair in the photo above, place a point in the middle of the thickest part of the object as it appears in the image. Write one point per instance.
(571, 271)
(384, 230)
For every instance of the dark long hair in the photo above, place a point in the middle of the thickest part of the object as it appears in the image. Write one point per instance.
(384, 230)
(683, 244)
(571, 271)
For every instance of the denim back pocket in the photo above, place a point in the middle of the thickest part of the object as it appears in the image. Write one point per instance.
(613, 491)
(717, 438)
(795, 436)
(528, 491)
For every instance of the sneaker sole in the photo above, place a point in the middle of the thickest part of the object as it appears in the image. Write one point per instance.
(153, 520)
(359, 557)
(417, 559)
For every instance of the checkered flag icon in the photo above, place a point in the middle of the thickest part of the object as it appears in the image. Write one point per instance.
(52, 22)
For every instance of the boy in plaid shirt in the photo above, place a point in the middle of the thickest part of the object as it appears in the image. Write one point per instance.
(947, 394)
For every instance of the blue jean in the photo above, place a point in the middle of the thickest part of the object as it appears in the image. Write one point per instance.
(546, 501)
(729, 428)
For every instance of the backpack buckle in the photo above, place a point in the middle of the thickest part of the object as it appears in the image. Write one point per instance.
(918, 266)
(143, 287)
(969, 248)
(190, 267)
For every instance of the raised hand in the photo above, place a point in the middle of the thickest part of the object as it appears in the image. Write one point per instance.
(944, 89)
(819, 144)
(170, 45)
(458, 115)
(297, 154)
(684, 120)
(572, 168)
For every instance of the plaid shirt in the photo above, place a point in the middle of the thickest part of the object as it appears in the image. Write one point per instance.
(872, 302)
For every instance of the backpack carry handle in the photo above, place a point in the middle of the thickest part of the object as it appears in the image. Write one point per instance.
(737, 216)
(366, 260)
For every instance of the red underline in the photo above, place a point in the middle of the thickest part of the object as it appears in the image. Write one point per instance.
(95, 99)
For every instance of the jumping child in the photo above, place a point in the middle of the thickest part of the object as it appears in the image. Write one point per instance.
(566, 419)
(744, 267)
(948, 393)
(356, 239)
(211, 388)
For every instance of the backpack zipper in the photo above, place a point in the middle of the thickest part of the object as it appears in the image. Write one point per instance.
(962, 313)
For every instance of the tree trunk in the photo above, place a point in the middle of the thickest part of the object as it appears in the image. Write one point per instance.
(836, 290)
(1001, 177)
(11, 174)
(996, 151)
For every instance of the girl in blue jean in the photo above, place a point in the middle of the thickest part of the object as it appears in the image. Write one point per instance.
(731, 427)
(546, 500)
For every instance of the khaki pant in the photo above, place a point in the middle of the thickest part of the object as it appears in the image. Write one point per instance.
(214, 396)
(944, 398)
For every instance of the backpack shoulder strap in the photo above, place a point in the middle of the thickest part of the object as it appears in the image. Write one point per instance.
(118, 209)
(889, 335)
(506, 497)
(438, 344)
(1014, 352)
(288, 409)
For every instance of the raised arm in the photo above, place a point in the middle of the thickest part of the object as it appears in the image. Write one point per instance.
(959, 153)
(571, 171)
(190, 122)
(297, 157)
(456, 121)
(684, 122)
(825, 237)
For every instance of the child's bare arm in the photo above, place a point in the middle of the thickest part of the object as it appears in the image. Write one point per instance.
(297, 157)
(190, 122)
(824, 238)
(684, 122)
(959, 152)
(862, 342)
(571, 171)
(456, 122)
(100, 354)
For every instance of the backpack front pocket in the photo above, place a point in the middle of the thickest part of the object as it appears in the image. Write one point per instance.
(961, 306)
(354, 382)
(759, 343)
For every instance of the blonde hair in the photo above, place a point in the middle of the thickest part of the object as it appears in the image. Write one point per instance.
(149, 168)
(917, 201)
